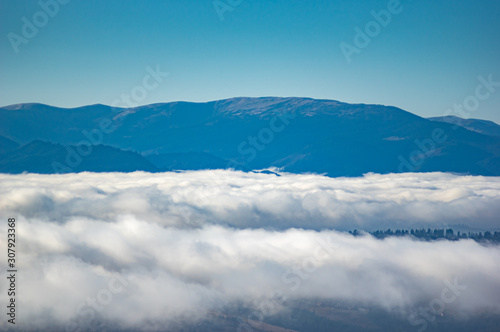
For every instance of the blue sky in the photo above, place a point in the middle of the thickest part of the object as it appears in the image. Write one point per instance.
(425, 60)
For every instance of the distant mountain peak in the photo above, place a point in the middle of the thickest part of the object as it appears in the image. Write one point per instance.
(484, 127)
(271, 105)
(30, 106)
(24, 106)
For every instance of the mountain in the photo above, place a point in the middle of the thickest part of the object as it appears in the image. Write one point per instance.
(479, 126)
(46, 158)
(27, 122)
(187, 161)
(293, 134)
(7, 145)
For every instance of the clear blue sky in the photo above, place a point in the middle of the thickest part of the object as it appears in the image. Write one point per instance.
(425, 60)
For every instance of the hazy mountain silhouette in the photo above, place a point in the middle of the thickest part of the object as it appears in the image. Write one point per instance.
(187, 161)
(7, 145)
(480, 126)
(47, 158)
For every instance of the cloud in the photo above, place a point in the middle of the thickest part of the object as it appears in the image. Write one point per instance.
(243, 200)
(146, 251)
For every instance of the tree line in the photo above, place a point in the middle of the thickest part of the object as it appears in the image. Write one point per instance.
(434, 234)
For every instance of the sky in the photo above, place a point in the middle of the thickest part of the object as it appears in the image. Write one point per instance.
(425, 58)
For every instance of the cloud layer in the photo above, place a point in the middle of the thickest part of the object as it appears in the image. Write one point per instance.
(243, 200)
(147, 251)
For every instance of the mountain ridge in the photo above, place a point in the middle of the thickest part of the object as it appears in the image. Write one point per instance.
(294, 134)
(47, 158)
(485, 127)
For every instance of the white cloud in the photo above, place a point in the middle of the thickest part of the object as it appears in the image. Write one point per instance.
(258, 200)
(180, 245)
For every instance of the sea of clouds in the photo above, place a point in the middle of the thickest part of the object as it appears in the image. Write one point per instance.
(144, 251)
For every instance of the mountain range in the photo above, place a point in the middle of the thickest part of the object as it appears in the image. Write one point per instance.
(292, 134)
(479, 126)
